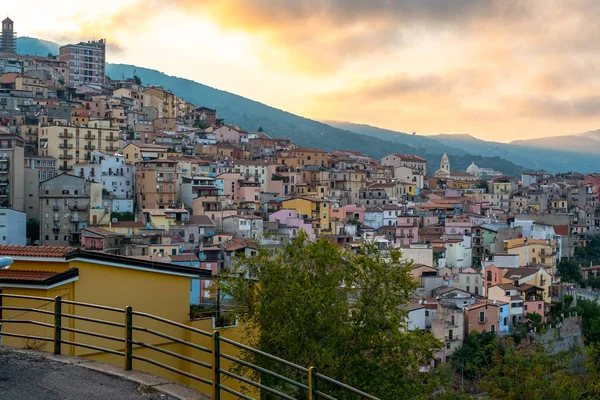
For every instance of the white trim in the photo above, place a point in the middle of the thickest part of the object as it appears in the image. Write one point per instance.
(26, 286)
(136, 268)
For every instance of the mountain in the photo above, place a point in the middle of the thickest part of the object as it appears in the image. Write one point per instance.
(36, 47)
(551, 160)
(562, 159)
(305, 132)
(587, 142)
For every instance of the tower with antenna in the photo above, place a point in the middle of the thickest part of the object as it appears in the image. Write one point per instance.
(8, 40)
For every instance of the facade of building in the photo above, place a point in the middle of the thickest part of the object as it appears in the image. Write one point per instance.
(156, 184)
(11, 172)
(72, 145)
(12, 227)
(67, 205)
(86, 62)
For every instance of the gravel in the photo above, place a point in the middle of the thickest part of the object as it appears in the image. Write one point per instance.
(29, 377)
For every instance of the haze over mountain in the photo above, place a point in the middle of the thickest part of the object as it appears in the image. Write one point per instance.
(251, 115)
(566, 157)
(587, 142)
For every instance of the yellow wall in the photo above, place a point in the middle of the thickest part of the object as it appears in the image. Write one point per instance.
(155, 293)
(307, 207)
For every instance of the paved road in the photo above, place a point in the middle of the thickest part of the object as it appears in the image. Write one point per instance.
(27, 377)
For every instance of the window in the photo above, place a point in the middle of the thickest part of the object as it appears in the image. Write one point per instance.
(427, 313)
(46, 237)
(481, 316)
(493, 328)
(539, 306)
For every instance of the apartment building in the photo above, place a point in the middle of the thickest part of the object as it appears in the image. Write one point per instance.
(72, 145)
(85, 61)
(37, 169)
(140, 151)
(68, 204)
(300, 157)
(156, 184)
(117, 179)
(12, 187)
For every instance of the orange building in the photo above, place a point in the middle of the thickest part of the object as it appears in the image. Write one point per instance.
(301, 156)
(156, 184)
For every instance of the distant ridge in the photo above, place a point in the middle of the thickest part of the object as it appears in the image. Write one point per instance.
(251, 115)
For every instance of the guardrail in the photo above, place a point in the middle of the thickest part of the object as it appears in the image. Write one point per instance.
(310, 386)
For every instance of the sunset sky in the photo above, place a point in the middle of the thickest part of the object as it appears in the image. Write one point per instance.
(497, 69)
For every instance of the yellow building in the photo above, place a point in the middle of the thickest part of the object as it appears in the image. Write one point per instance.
(533, 251)
(315, 209)
(164, 101)
(140, 151)
(560, 205)
(300, 157)
(72, 145)
(502, 186)
(114, 281)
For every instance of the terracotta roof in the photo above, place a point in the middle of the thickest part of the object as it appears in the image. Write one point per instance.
(408, 157)
(36, 251)
(38, 278)
(238, 244)
(25, 275)
(143, 145)
(100, 231)
(561, 229)
(201, 220)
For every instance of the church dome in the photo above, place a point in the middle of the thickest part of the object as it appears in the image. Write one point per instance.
(473, 169)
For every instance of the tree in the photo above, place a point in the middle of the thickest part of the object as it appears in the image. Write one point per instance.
(569, 271)
(137, 80)
(483, 184)
(314, 304)
(32, 229)
(475, 355)
(260, 129)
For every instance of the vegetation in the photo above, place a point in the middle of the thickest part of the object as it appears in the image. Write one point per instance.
(318, 305)
(32, 230)
(137, 80)
(123, 216)
(483, 184)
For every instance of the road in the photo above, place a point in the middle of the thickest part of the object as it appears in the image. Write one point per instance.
(27, 377)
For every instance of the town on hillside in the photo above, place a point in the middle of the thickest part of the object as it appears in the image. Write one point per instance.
(118, 166)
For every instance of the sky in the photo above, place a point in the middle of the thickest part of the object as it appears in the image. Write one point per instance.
(499, 70)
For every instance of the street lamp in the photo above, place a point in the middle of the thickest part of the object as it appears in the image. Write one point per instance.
(5, 262)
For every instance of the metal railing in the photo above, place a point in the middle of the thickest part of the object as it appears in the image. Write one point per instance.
(310, 386)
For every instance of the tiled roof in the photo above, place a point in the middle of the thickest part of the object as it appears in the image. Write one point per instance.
(184, 257)
(25, 275)
(35, 251)
(99, 231)
(202, 220)
(408, 157)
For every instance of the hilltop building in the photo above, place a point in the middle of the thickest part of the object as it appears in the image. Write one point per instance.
(85, 61)
(8, 40)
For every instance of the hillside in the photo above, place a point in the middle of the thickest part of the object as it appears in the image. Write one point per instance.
(251, 115)
(588, 142)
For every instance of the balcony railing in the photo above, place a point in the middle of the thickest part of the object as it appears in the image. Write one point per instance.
(66, 156)
(63, 135)
(89, 147)
(65, 146)
(55, 207)
(75, 207)
(65, 167)
(89, 137)
(112, 138)
(111, 148)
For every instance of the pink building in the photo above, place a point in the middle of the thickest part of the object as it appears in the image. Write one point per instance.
(231, 134)
(534, 307)
(348, 212)
(407, 230)
(290, 217)
(94, 238)
(460, 225)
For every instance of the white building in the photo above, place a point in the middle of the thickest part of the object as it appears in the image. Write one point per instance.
(245, 226)
(117, 179)
(13, 226)
(416, 316)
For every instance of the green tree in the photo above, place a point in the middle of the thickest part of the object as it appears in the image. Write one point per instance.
(569, 271)
(137, 80)
(123, 216)
(483, 184)
(32, 229)
(475, 355)
(314, 304)
(529, 373)
(589, 311)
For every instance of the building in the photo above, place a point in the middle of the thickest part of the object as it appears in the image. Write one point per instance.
(85, 61)
(156, 184)
(37, 169)
(140, 151)
(67, 205)
(116, 177)
(300, 157)
(12, 188)
(72, 145)
(8, 40)
(12, 227)
(487, 316)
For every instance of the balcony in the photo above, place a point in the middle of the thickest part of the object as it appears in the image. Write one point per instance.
(165, 179)
(75, 207)
(55, 207)
(63, 135)
(111, 148)
(4, 182)
(65, 146)
(3, 169)
(66, 156)
(89, 147)
(452, 338)
(112, 138)
(55, 230)
(89, 137)
(3, 193)
(65, 168)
